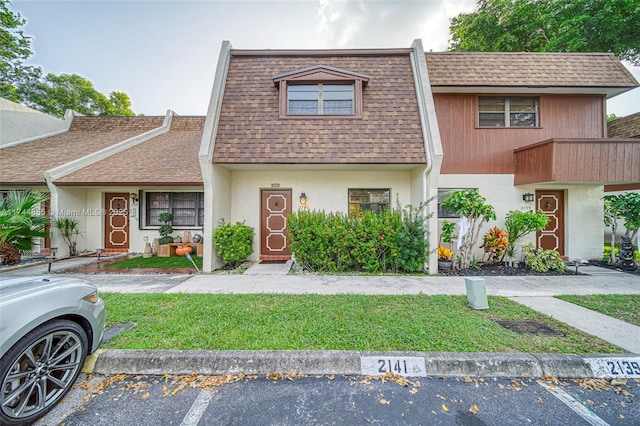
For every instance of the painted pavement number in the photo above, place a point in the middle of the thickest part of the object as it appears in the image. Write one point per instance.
(400, 365)
(615, 367)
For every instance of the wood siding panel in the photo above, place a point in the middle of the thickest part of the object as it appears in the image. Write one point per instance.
(579, 160)
(472, 150)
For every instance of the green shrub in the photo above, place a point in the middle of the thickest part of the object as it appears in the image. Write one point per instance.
(391, 241)
(542, 260)
(165, 240)
(234, 243)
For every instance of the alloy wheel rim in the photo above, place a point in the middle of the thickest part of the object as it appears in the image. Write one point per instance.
(41, 374)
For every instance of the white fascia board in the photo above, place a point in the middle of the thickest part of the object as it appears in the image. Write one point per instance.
(215, 103)
(60, 171)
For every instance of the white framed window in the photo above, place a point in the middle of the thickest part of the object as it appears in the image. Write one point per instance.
(187, 208)
(496, 111)
(375, 200)
(320, 99)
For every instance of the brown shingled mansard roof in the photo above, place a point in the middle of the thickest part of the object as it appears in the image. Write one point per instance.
(529, 70)
(250, 129)
(625, 127)
(168, 159)
(25, 164)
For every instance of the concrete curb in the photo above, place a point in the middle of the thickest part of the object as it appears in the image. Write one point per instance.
(439, 364)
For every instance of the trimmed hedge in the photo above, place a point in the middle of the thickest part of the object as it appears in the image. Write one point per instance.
(391, 241)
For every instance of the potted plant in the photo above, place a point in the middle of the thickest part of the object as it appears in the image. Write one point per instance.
(444, 257)
(165, 230)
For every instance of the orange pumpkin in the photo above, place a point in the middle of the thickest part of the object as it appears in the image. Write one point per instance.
(182, 250)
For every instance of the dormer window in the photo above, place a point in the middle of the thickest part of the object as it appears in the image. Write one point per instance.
(320, 91)
(320, 99)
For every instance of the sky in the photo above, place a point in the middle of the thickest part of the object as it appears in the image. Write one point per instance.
(163, 54)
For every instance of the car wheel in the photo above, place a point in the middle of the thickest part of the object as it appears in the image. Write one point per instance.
(39, 370)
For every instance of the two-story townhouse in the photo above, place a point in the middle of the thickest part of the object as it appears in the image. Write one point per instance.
(333, 130)
(338, 130)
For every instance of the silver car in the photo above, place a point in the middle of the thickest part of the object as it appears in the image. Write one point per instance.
(48, 326)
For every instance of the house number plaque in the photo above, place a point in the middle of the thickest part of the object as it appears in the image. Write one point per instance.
(401, 365)
(615, 367)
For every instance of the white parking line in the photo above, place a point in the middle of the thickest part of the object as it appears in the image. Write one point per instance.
(574, 404)
(198, 408)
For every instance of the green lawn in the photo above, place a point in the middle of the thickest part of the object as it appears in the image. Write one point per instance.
(341, 322)
(624, 307)
(156, 262)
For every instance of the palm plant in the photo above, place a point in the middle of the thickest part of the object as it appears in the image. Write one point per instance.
(69, 230)
(20, 224)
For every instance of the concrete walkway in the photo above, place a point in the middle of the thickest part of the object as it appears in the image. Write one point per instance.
(614, 331)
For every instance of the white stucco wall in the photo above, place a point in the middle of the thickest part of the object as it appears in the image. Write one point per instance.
(87, 205)
(583, 209)
(325, 190)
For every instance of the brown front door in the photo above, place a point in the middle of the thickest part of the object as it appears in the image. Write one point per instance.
(552, 204)
(116, 221)
(275, 207)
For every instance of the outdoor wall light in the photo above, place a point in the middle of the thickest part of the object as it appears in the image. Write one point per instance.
(303, 199)
(134, 197)
(528, 197)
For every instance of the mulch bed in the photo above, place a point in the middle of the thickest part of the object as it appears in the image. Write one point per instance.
(496, 269)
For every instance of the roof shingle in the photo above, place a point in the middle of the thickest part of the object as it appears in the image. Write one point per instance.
(625, 127)
(26, 163)
(168, 159)
(251, 131)
(525, 69)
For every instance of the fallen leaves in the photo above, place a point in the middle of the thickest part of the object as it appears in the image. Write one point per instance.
(474, 409)
(385, 401)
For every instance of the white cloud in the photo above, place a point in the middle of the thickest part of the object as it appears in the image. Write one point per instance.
(366, 23)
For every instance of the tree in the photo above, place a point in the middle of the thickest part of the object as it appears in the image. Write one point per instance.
(519, 224)
(15, 49)
(622, 206)
(471, 205)
(550, 26)
(54, 94)
(20, 224)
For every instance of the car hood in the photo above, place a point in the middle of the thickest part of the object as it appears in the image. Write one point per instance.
(14, 287)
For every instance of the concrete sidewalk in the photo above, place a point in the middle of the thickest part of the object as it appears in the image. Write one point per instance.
(535, 292)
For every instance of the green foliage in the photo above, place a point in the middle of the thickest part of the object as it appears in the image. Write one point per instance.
(495, 243)
(54, 94)
(447, 234)
(542, 260)
(550, 26)
(69, 230)
(165, 230)
(15, 49)
(518, 224)
(624, 206)
(21, 222)
(390, 241)
(167, 239)
(234, 243)
(470, 204)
